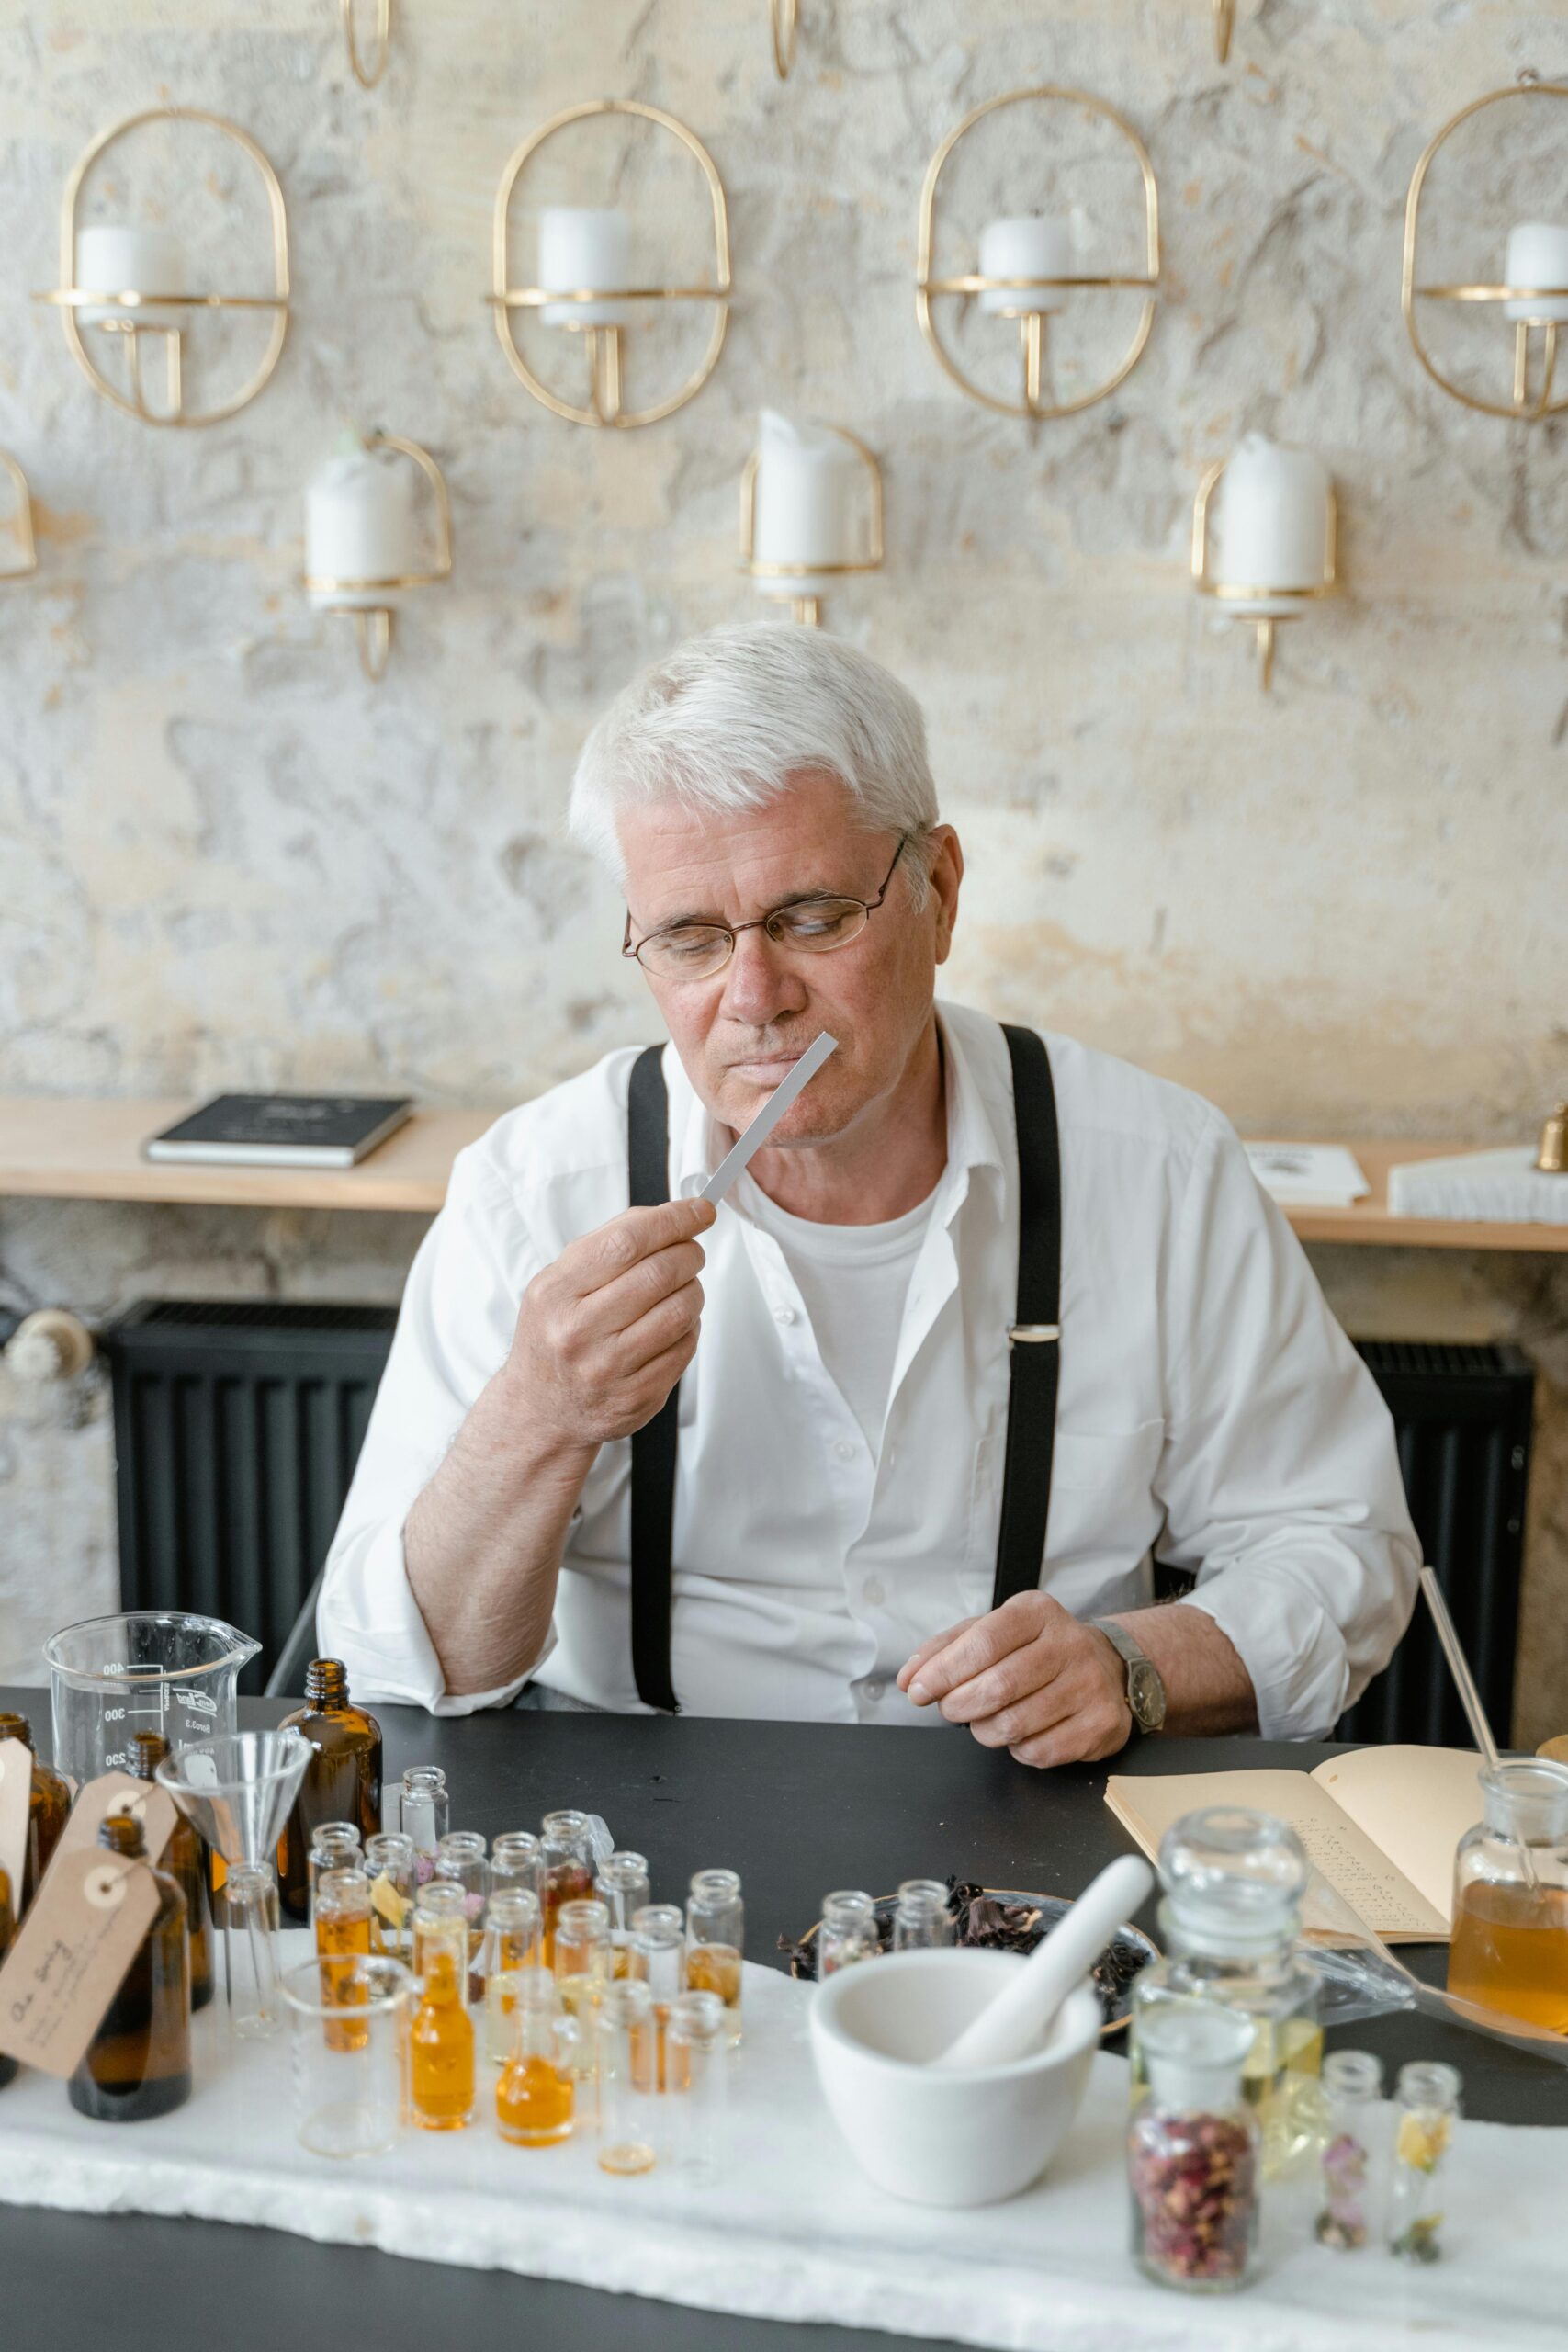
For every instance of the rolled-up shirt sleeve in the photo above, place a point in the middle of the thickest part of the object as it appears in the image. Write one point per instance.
(1279, 1475)
(459, 1313)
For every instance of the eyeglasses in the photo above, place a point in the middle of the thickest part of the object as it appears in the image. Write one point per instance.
(694, 951)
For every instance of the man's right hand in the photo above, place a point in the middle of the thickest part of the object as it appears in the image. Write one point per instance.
(606, 1332)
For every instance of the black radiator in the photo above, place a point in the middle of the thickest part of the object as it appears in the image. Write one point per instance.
(237, 1425)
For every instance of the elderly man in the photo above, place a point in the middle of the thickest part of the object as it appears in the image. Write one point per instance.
(895, 1432)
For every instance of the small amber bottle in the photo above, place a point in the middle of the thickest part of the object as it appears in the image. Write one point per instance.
(138, 2063)
(7, 1930)
(342, 1779)
(50, 1804)
(186, 1865)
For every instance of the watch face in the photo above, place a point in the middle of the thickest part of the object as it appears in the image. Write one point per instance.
(1146, 1695)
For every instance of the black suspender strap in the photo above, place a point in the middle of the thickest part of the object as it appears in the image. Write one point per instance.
(654, 1446)
(1034, 1340)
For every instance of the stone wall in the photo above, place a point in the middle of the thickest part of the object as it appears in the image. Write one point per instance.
(227, 859)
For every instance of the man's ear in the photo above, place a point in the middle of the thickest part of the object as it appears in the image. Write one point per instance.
(946, 877)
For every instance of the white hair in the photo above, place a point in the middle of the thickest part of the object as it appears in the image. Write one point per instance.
(726, 721)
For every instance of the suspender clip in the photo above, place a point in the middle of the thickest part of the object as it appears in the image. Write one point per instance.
(1033, 1333)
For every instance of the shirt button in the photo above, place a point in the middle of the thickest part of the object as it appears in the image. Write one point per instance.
(874, 1592)
(845, 1449)
(874, 1690)
(785, 1314)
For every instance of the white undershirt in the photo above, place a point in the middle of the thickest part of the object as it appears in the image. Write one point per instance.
(852, 1280)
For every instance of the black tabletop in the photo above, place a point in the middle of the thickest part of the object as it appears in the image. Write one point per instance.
(796, 1808)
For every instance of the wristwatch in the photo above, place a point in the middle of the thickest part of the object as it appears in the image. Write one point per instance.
(1146, 1686)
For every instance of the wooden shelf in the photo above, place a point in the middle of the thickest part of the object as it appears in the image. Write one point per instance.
(56, 1147)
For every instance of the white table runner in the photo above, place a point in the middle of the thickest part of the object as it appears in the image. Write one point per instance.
(795, 2232)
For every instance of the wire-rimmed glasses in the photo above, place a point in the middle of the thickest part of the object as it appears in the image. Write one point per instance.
(695, 951)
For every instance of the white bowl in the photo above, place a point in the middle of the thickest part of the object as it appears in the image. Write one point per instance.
(944, 2136)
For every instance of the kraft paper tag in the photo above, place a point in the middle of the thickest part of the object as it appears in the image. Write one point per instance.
(71, 1956)
(15, 1796)
(117, 1793)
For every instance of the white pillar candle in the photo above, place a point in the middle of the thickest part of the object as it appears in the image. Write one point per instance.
(360, 523)
(1032, 245)
(113, 259)
(583, 246)
(810, 505)
(1269, 527)
(1538, 255)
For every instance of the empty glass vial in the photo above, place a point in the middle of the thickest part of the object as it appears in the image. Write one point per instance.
(715, 1937)
(655, 1956)
(1509, 1950)
(460, 1856)
(249, 1951)
(440, 1909)
(848, 1934)
(628, 2107)
(48, 1805)
(184, 1859)
(441, 2038)
(335, 1846)
(1193, 2150)
(699, 2069)
(423, 1811)
(536, 2092)
(517, 1858)
(568, 1855)
(1350, 2169)
(1234, 1883)
(138, 2063)
(921, 1921)
(342, 1779)
(621, 1885)
(583, 1970)
(1428, 2096)
(512, 1944)
(391, 1866)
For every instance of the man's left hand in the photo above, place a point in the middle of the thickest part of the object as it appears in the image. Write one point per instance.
(1028, 1678)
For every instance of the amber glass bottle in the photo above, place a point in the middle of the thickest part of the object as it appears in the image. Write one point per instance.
(342, 1779)
(186, 1862)
(7, 1930)
(138, 2063)
(46, 1810)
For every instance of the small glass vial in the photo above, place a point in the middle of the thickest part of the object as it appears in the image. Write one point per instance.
(1352, 2086)
(250, 1952)
(342, 1779)
(626, 2099)
(441, 2038)
(440, 1907)
(138, 2063)
(621, 1885)
(699, 2067)
(1428, 2097)
(1234, 1883)
(423, 1811)
(460, 1856)
(1509, 1950)
(342, 1933)
(537, 2091)
(583, 1970)
(48, 1805)
(568, 1855)
(392, 1867)
(335, 1846)
(655, 1956)
(512, 1943)
(715, 1937)
(1192, 2151)
(517, 1858)
(186, 1862)
(922, 1921)
(849, 1932)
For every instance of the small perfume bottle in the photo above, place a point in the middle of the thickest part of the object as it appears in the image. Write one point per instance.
(626, 2100)
(512, 1942)
(568, 1856)
(922, 1921)
(536, 2092)
(392, 1867)
(1352, 2086)
(1428, 2103)
(657, 1958)
(1193, 2149)
(848, 1933)
(185, 1863)
(699, 2047)
(441, 2039)
(621, 1884)
(423, 1811)
(460, 1856)
(342, 1779)
(47, 1808)
(715, 1937)
(138, 2063)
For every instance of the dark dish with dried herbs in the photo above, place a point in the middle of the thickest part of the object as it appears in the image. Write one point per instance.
(993, 1918)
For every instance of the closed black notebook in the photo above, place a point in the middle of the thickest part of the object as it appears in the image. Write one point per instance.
(282, 1130)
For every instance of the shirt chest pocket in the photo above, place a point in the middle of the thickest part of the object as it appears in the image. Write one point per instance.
(1104, 1511)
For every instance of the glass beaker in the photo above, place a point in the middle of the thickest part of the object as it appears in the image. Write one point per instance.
(157, 1671)
(348, 2086)
(237, 1792)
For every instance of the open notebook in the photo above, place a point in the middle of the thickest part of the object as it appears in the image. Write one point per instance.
(1381, 1824)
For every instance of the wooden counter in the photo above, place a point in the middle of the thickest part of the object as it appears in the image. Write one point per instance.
(57, 1147)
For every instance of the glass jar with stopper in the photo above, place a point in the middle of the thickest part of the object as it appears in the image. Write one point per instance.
(1509, 1950)
(1193, 2149)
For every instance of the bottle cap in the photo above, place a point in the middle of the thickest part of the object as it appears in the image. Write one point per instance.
(1193, 2052)
(1234, 1879)
(1527, 1802)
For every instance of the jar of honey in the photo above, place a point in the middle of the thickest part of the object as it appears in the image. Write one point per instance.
(1509, 1950)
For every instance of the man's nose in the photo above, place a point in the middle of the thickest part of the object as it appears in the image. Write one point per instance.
(760, 983)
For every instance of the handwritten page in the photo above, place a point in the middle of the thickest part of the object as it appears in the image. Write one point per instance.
(1413, 1803)
(1360, 1871)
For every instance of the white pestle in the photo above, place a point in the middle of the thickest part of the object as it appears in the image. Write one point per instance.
(1018, 2020)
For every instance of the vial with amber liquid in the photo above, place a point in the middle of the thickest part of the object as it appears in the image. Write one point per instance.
(568, 1868)
(342, 1779)
(715, 1937)
(441, 2038)
(537, 2091)
(1510, 1951)
(186, 1862)
(138, 2063)
(47, 1808)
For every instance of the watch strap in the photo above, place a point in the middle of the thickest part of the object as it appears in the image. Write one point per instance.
(1132, 1654)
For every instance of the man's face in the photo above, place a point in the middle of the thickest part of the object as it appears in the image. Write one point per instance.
(738, 1030)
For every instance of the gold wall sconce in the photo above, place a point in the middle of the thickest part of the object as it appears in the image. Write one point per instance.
(810, 513)
(1536, 272)
(585, 258)
(785, 15)
(1274, 546)
(19, 547)
(111, 275)
(365, 544)
(1225, 26)
(369, 65)
(1027, 266)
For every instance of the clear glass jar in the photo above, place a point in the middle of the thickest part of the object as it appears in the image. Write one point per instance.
(1428, 2096)
(922, 1921)
(715, 1938)
(1192, 2151)
(1509, 1950)
(657, 1958)
(621, 1885)
(1234, 1884)
(699, 2070)
(1351, 2164)
(568, 1856)
(335, 1846)
(629, 2112)
(440, 1908)
(423, 1811)
(517, 1858)
(849, 1932)
(512, 1941)
(392, 1867)
(535, 2096)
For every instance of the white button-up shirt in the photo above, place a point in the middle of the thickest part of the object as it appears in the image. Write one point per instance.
(1210, 1410)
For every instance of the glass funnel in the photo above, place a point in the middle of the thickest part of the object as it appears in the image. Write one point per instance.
(159, 1670)
(237, 1790)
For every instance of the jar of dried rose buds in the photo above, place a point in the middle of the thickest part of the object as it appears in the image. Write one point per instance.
(1193, 2150)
